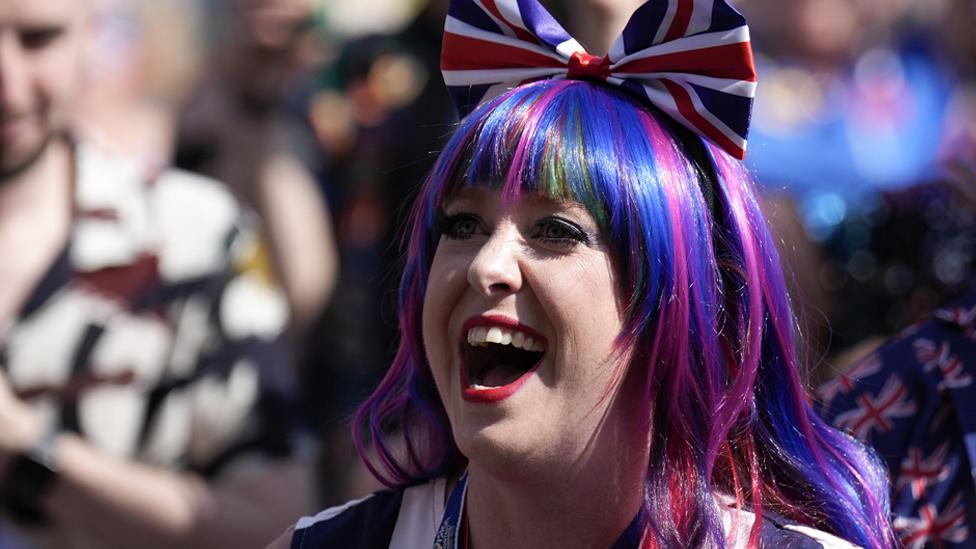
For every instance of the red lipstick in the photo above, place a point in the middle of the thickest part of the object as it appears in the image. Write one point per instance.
(488, 395)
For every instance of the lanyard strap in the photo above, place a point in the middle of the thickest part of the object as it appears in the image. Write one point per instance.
(450, 534)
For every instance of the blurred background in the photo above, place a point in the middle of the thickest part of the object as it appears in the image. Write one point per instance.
(325, 115)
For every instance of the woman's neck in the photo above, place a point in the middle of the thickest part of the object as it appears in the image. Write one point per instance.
(581, 512)
(589, 504)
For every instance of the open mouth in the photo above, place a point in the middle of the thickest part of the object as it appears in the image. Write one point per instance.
(497, 356)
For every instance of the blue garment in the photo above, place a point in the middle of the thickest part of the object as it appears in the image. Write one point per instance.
(875, 127)
(914, 401)
(418, 517)
(364, 524)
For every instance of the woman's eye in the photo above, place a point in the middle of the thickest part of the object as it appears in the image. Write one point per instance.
(560, 232)
(37, 38)
(460, 226)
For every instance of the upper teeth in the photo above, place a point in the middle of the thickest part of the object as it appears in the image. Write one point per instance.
(483, 335)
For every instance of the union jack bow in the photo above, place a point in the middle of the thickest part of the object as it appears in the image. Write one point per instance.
(691, 59)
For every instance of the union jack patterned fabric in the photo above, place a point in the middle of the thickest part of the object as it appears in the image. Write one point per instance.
(914, 401)
(691, 59)
(157, 334)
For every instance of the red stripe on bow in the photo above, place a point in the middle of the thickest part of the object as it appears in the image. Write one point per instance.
(682, 17)
(462, 53)
(687, 109)
(519, 31)
(733, 61)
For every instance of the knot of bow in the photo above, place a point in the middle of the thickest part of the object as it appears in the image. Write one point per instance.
(692, 59)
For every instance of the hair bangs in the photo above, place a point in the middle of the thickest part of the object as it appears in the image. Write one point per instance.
(560, 139)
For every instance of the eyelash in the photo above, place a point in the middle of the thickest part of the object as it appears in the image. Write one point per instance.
(572, 234)
(447, 225)
(450, 226)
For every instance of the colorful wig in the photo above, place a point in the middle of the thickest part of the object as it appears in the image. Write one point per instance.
(707, 315)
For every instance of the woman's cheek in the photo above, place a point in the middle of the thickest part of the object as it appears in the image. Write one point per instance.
(445, 288)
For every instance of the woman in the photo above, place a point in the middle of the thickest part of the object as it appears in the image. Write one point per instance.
(597, 346)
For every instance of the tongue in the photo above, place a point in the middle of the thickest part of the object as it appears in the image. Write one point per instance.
(501, 375)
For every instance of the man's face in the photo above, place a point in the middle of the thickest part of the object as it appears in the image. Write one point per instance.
(42, 45)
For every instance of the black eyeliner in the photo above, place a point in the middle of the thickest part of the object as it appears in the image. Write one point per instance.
(448, 224)
(576, 232)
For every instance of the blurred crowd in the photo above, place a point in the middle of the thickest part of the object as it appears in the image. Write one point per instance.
(864, 139)
(323, 120)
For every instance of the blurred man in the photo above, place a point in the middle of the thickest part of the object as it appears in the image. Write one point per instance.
(143, 386)
(237, 126)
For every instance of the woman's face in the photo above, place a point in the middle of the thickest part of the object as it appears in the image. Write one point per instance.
(519, 321)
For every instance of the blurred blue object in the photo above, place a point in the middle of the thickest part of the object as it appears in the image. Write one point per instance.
(831, 139)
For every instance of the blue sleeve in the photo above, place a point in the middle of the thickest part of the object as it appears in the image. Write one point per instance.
(914, 402)
(367, 524)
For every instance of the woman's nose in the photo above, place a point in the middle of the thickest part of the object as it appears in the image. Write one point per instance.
(495, 269)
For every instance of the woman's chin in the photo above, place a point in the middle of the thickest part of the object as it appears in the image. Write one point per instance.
(508, 453)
